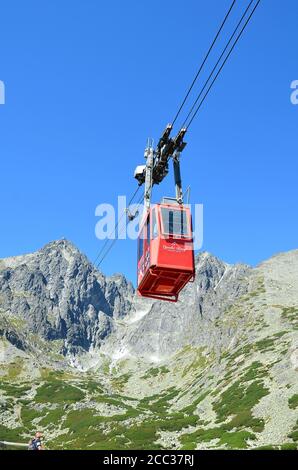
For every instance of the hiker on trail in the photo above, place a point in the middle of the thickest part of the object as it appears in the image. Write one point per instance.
(36, 442)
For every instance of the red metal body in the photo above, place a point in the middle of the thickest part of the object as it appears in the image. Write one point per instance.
(165, 252)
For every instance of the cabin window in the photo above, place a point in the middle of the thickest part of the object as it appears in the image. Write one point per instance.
(175, 222)
(148, 229)
(154, 225)
(141, 245)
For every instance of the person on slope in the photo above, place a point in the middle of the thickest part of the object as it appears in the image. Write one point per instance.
(36, 442)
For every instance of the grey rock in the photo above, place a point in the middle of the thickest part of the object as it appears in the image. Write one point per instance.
(60, 295)
(168, 327)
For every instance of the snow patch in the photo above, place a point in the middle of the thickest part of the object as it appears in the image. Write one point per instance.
(137, 316)
(155, 358)
(117, 355)
(67, 255)
(228, 267)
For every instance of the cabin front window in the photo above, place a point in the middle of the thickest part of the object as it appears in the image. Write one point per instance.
(175, 222)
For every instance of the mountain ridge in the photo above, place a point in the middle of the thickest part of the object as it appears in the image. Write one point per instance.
(88, 299)
(216, 370)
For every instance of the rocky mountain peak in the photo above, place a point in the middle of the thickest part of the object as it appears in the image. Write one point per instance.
(61, 296)
(233, 333)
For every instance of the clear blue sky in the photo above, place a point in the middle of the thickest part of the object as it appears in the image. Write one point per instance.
(88, 81)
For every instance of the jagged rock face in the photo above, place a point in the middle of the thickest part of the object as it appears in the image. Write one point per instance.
(232, 334)
(168, 327)
(60, 295)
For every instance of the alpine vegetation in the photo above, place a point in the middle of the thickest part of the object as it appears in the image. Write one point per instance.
(94, 366)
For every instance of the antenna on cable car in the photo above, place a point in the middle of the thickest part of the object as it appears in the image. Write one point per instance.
(149, 156)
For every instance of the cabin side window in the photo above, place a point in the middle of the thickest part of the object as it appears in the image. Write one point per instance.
(141, 245)
(175, 222)
(148, 229)
(154, 225)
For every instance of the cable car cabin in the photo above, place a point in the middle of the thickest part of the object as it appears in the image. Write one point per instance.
(165, 252)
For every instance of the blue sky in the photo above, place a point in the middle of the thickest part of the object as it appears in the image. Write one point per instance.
(88, 82)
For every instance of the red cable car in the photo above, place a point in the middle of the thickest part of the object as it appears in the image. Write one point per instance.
(165, 251)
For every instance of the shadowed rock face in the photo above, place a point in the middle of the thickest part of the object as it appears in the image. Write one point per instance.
(60, 295)
(216, 370)
(167, 327)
